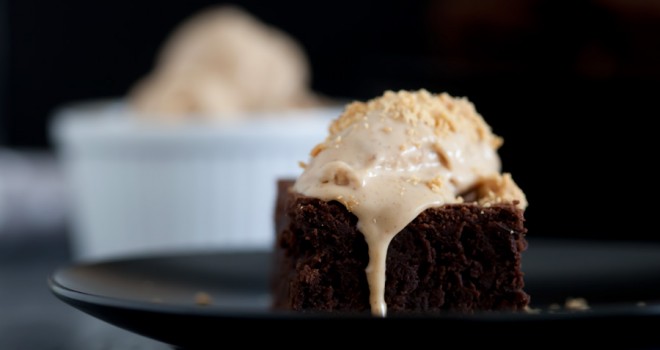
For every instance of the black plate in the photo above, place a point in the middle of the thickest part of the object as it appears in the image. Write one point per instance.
(155, 296)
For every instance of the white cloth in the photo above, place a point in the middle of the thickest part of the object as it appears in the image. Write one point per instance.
(33, 197)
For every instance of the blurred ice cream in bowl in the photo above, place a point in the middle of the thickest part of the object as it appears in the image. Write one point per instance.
(190, 158)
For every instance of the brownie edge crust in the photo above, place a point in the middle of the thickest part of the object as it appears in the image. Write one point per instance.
(457, 257)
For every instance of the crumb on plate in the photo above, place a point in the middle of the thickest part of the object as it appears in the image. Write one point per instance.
(203, 299)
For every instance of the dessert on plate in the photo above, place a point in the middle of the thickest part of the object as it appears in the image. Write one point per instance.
(403, 208)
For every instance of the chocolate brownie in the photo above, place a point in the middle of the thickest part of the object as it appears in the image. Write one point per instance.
(456, 257)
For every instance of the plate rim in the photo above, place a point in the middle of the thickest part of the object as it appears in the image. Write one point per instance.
(74, 297)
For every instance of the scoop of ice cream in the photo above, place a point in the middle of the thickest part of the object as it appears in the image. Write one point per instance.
(224, 61)
(389, 159)
(422, 149)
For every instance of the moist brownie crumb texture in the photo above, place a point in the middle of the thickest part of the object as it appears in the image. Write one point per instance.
(458, 257)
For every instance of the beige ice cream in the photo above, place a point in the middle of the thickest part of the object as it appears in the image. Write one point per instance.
(221, 62)
(389, 159)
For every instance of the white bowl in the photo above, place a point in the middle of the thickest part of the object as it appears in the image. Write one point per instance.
(142, 187)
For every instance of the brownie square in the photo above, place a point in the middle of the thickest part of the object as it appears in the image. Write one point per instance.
(457, 257)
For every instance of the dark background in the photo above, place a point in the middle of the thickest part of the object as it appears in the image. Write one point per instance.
(571, 85)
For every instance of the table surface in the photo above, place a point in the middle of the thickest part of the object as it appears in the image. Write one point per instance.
(33, 208)
(31, 317)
